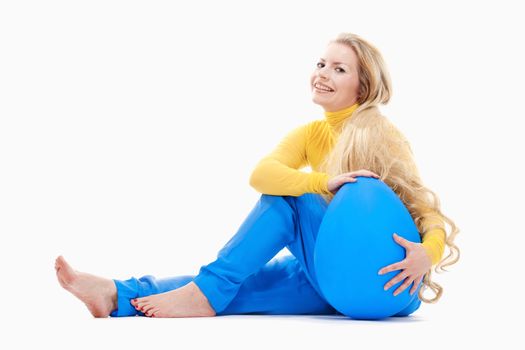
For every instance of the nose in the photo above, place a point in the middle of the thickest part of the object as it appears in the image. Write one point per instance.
(321, 74)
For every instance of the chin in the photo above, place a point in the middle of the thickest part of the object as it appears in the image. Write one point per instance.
(314, 100)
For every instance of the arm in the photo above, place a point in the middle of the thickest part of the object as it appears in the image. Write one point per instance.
(420, 257)
(278, 174)
(434, 239)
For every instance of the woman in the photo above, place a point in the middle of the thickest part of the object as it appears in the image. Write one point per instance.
(353, 140)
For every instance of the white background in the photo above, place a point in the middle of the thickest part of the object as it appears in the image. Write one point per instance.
(129, 130)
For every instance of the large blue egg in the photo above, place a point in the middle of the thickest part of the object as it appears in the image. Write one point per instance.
(355, 241)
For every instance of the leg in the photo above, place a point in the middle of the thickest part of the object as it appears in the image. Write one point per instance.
(275, 222)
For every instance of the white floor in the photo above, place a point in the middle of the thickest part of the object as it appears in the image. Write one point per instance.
(59, 321)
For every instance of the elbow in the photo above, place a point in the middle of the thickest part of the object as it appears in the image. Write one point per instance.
(259, 179)
(255, 180)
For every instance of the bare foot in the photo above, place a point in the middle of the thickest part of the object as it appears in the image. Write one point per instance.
(99, 294)
(186, 301)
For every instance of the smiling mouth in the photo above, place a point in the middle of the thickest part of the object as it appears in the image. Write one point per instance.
(321, 88)
(322, 91)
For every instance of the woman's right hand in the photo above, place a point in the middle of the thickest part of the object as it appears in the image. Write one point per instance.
(337, 181)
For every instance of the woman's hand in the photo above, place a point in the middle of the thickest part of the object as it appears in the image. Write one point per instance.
(416, 263)
(337, 181)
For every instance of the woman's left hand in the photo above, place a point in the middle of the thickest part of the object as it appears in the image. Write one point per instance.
(414, 266)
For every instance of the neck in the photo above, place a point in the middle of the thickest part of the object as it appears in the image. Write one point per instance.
(336, 119)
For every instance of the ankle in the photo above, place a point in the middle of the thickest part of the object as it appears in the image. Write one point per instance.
(113, 295)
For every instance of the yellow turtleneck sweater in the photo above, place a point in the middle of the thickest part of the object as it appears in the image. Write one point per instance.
(278, 173)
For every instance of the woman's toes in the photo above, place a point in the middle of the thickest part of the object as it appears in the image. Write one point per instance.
(139, 303)
(147, 308)
(152, 312)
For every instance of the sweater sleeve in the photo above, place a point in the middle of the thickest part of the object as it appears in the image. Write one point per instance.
(434, 239)
(278, 173)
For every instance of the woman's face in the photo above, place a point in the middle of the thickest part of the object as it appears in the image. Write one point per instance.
(336, 70)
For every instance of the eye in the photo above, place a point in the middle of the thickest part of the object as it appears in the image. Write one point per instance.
(321, 65)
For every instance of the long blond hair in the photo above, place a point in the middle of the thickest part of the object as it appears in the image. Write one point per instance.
(368, 140)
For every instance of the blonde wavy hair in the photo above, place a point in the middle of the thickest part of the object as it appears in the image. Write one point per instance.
(368, 140)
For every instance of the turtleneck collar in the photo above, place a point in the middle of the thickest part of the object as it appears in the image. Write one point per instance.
(337, 118)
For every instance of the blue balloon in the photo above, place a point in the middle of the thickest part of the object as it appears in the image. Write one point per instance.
(355, 241)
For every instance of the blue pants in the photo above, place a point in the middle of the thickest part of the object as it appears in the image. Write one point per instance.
(246, 277)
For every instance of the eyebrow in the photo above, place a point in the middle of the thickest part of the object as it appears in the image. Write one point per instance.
(346, 64)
